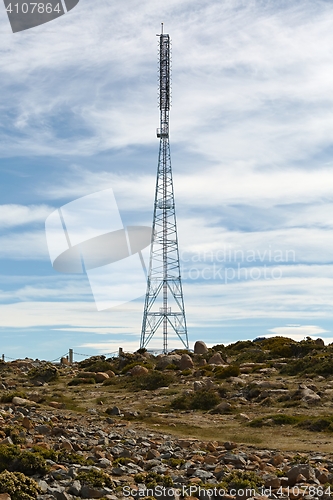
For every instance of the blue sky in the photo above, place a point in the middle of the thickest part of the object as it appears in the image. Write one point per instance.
(251, 144)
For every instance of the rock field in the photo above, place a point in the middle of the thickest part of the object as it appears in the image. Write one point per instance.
(113, 429)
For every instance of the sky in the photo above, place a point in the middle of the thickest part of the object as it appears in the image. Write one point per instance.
(251, 135)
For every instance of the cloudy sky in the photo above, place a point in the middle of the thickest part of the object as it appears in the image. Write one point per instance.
(251, 144)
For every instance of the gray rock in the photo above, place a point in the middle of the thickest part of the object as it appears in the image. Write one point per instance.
(43, 485)
(216, 359)
(185, 362)
(21, 401)
(169, 359)
(63, 495)
(75, 488)
(43, 429)
(200, 347)
(104, 463)
(113, 411)
(305, 469)
(7, 440)
(236, 460)
(202, 474)
(222, 408)
(91, 492)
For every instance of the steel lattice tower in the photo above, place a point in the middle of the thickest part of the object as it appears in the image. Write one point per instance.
(164, 303)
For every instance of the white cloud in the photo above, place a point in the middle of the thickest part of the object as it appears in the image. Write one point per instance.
(28, 245)
(12, 215)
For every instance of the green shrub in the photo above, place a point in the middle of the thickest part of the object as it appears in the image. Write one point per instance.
(318, 424)
(187, 372)
(278, 419)
(121, 461)
(152, 479)
(8, 454)
(31, 463)
(100, 366)
(174, 462)
(129, 366)
(110, 381)
(234, 349)
(199, 400)
(153, 381)
(13, 459)
(241, 480)
(14, 432)
(229, 371)
(222, 392)
(73, 458)
(45, 453)
(311, 365)
(95, 478)
(171, 366)
(18, 486)
(253, 355)
(44, 373)
(205, 400)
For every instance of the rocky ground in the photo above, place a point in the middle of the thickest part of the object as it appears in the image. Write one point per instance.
(244, 421)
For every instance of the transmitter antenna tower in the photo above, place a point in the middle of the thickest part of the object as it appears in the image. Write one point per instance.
(164, 302)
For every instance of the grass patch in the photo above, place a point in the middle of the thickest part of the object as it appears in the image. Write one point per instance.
(278, 419)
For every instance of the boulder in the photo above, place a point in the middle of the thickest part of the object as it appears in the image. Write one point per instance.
(222, 408)
(200, 347)
(101, 376)
(185, 362)
(22, 402)
(198, 385)
(169, 359)
(57, 405)
(113, 411)
(216, 359)
(139, 371)
(301, 469)
(230, 445)
(88, 491)
(237, 461)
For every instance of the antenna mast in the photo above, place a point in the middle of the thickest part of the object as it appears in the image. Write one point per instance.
(164, 303)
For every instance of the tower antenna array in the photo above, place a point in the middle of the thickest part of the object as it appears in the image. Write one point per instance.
(164, 302)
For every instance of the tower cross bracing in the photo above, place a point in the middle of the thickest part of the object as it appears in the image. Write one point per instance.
(164, 302)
